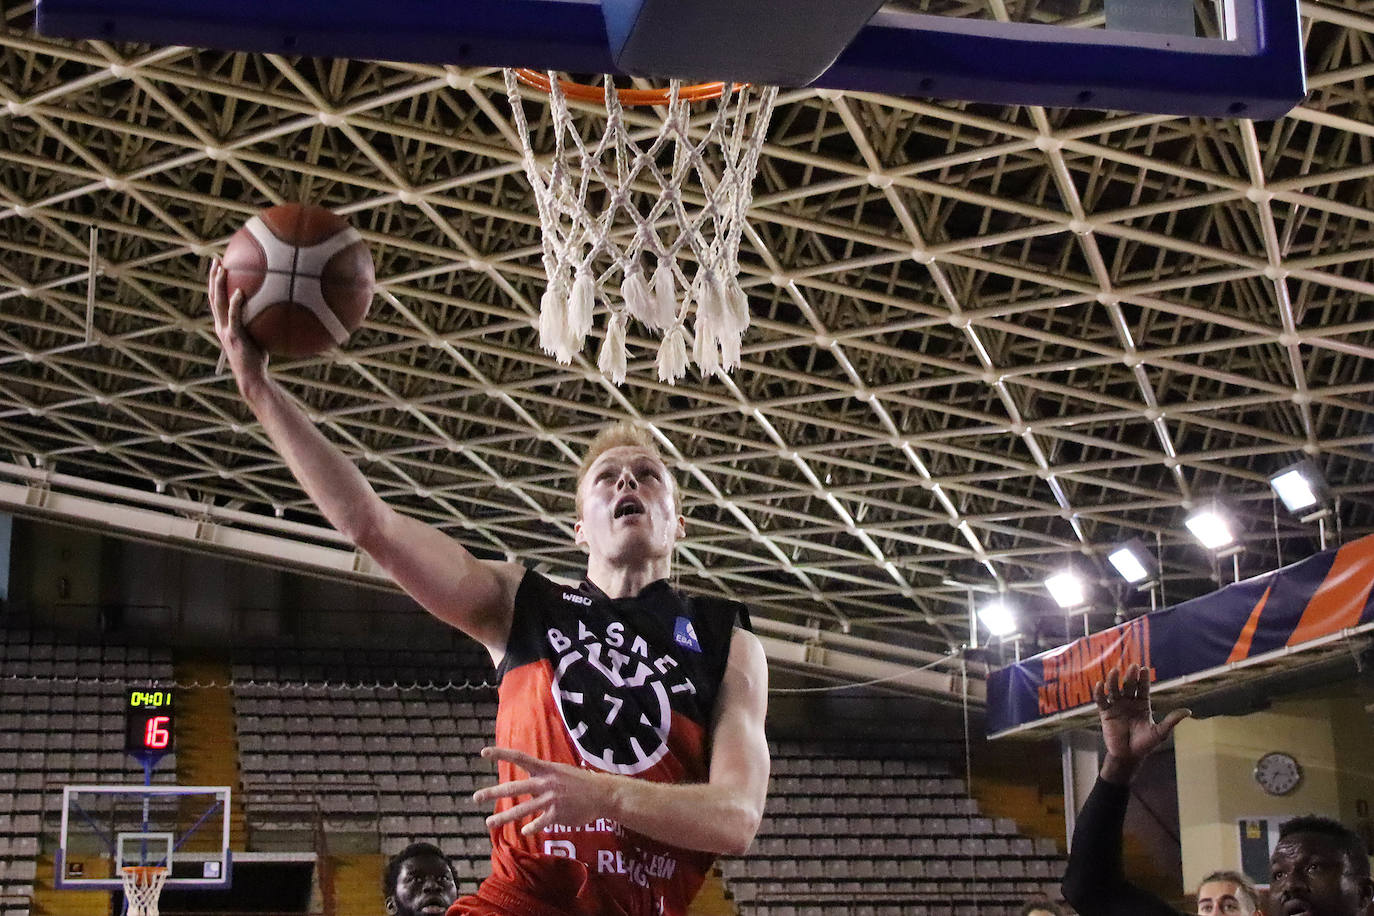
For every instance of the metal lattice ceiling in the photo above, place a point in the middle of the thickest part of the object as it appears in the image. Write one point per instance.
(985, 339)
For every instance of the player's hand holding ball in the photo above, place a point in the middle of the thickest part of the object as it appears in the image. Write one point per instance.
(295, 281)
(246, 359)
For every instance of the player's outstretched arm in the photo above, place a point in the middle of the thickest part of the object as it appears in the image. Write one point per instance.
(1095, 881)
(721, 815)
(476, 596)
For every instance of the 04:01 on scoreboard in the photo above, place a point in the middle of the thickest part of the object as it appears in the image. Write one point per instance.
(148, 722)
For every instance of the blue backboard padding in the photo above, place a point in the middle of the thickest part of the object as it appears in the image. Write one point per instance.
(975, 61)
(543, 34)
(990, 65)
(769, 42)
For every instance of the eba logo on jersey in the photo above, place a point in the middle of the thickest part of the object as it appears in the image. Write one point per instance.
(684, 635)
(614, 695)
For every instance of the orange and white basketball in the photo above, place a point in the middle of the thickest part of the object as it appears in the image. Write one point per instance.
(306, 275)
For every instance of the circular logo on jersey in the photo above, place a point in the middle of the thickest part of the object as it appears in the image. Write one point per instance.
(613, 699)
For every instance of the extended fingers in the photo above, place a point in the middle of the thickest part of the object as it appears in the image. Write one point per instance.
(507, 790)
(531, 765)
(1132, 683)
(1142, 683)
(1112, 689)
(1167, 724)
(1127, 683)
(215, 287)
(225, 310)
(522, 810)
(235, 317)
(539, 823)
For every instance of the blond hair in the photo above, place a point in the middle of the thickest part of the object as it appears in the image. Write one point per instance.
(623, 435)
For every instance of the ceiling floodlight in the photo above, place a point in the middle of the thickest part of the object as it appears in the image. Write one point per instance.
(1211, 528)
(1294, 489)
(1134, 562)
(1067, 589)
(1300, 487)
(998, 617)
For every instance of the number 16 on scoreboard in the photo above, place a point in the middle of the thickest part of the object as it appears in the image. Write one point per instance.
(148, 724)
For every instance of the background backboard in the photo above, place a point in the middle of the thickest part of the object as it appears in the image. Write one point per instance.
(106, 826)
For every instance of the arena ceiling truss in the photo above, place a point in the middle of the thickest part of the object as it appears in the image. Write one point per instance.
(986, 340)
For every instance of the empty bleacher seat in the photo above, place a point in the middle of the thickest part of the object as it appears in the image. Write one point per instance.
(352, 737)
(849, 824)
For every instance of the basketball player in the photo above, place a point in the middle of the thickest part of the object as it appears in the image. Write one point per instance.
(1043, 907)
(419, 881)
(630, 719)
(1318, 867)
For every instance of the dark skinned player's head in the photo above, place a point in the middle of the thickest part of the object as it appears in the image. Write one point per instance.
(1319, 867)
(419, 881)
(1043, 907)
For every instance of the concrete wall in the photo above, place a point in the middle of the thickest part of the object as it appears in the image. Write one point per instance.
(57, 568)
(1327, 732)
(70, 579)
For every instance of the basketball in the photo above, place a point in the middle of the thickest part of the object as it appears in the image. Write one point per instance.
(306, 276)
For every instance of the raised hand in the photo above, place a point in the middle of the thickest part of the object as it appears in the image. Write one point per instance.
(246, 359)
(1128, 727)
(559, 794)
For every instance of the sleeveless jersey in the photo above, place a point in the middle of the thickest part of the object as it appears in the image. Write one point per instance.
(625, 686)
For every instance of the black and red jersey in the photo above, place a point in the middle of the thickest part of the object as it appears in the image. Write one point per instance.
(622, 685)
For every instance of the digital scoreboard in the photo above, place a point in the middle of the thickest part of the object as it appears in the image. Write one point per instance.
(148, 723)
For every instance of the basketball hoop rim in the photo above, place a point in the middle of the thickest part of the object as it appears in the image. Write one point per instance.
(143, 886)
(582, 92)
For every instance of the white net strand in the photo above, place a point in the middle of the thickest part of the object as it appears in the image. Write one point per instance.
(142, 888)
(641, 221)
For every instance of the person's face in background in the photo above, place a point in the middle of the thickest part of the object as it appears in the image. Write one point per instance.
(424, 887)
(1310, 875)
(1223, 898)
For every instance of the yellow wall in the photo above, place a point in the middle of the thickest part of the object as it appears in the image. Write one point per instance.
(1355, 749)
(1328, 735)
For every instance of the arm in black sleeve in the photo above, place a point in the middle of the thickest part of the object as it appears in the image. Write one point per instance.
(1094, 880)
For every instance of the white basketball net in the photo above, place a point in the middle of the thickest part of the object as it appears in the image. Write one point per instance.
(142, 887)
(618, 226)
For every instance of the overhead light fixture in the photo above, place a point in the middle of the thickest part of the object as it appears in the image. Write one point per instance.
(998, 617)
(1212, 528)
(1301, 488)
(1135, 564)
(1067, 589)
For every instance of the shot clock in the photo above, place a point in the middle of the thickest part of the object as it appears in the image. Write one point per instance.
(148, 723)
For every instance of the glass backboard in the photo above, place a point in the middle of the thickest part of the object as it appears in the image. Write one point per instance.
(106, 827)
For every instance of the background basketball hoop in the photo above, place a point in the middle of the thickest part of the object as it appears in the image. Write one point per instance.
(645, 246)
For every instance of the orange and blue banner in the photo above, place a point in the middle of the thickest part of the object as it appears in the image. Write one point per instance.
(1302, 603)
